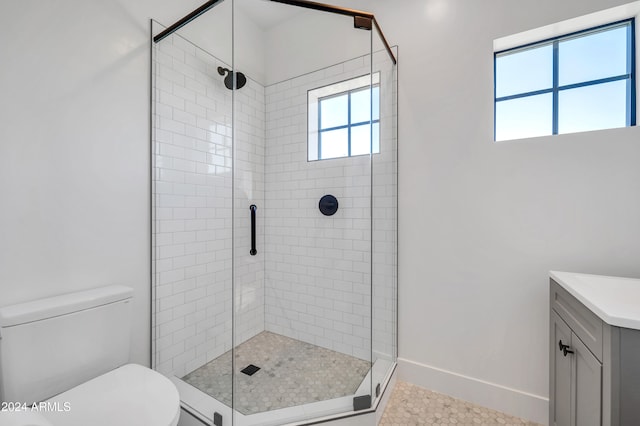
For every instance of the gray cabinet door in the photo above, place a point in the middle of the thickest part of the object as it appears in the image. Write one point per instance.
(560, 374)
(587, 386)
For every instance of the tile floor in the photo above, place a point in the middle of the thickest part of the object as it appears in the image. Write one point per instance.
(294, 373)
(291, 373)
(412, 405)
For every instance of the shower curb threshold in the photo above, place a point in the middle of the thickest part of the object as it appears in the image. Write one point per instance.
(325, 411)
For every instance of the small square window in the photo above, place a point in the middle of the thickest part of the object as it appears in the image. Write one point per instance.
(344, 119)
(574, 83)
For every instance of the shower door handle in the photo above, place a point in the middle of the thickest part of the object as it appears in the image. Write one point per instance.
(253, 250)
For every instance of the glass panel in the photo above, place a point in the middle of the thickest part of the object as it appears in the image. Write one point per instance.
(312, 276)
(334, 143)
(375, 142)
(601, 106)
(593, 56)
(524, 117)
(524, 71)
(192, 233)
(376, 103)
(302, 303)
(334, 111)
(384, 221)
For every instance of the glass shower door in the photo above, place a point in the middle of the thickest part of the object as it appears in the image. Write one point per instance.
(302, 299)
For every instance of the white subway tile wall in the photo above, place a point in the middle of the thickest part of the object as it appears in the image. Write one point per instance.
(318, 268)
(311, 279)
(192, 208)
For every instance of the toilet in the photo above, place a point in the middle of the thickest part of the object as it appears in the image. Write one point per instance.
(66, 358)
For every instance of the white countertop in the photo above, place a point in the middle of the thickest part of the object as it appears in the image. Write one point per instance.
(615, 300)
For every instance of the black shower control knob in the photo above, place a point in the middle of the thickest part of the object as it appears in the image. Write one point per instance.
(328, 205)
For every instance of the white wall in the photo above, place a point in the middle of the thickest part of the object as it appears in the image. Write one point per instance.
(214, 32)
(483, 223)
(328, 39)
(74, 150)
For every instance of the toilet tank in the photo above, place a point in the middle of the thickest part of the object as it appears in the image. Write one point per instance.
(48, 346)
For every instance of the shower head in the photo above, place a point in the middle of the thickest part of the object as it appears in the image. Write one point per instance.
(240, 79)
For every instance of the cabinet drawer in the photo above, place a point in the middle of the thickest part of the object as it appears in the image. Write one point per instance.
(585, 324)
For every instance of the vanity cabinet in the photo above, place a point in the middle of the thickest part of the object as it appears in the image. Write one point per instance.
(594, 366)
(577, 378)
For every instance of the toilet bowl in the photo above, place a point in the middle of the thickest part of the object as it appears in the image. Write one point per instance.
(131, 395)
(23, 418)
(66, 359)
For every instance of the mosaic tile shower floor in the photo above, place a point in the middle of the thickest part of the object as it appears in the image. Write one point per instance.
(411, 405)
(291, 373)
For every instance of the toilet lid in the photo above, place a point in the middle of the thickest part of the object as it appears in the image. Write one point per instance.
(131, 395)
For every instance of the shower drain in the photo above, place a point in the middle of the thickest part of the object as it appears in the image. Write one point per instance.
(250, 370)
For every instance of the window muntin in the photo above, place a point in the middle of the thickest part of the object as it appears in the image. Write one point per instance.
(344, 119)
(576, 72)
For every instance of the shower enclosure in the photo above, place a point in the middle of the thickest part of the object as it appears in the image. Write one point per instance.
(274, 211)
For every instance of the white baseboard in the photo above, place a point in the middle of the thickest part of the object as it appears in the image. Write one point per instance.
(510, 401)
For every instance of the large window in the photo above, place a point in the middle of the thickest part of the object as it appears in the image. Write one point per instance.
(344, 119)
(579, 82)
